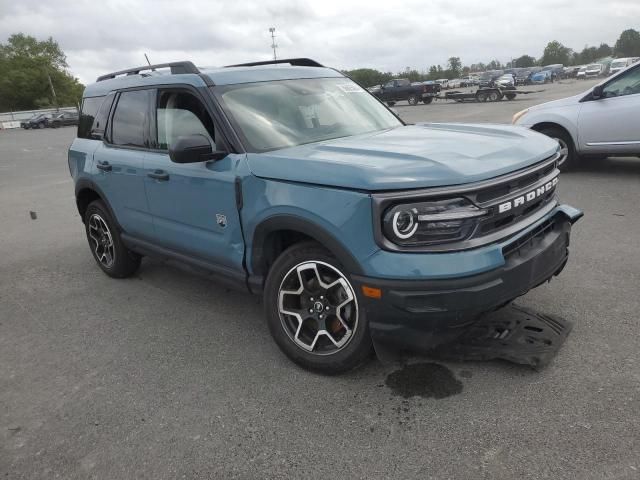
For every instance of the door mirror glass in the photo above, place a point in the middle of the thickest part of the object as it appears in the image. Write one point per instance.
(193, 149)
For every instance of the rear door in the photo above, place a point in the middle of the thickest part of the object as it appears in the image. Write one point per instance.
(611, 124)
(119, 161)
(193, 205)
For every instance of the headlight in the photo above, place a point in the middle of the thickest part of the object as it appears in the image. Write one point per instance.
(431, 223)
(517, 116)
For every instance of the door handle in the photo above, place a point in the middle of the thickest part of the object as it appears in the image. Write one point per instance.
(104, 166)
(159, 175)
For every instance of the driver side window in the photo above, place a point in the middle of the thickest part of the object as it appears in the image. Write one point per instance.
(178, 114)
(626, 84)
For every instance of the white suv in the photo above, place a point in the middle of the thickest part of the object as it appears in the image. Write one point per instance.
(602, 122)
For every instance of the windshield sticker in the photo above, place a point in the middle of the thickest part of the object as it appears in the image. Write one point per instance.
(350, 88)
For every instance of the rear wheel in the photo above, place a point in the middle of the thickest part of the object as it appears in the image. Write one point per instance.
(481, 97)
(106, 245)
(493, 96)
(427, 100)
(568, 157)
(391, 104)
(412, 99)
(510, 96)
(313, 313)
(41, 125)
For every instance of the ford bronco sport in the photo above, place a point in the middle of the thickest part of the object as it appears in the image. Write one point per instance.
(293, 182)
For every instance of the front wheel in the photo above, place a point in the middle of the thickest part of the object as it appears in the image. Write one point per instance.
(313, 312)
(568, 157)
(391, 104)
(413, 99)
(427, 100)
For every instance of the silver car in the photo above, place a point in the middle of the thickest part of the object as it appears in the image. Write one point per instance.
(598, 123)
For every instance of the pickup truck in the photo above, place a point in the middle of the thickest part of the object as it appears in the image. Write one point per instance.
(402, 89)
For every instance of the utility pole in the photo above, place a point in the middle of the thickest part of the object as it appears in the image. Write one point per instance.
(55, 99)
(272, 30)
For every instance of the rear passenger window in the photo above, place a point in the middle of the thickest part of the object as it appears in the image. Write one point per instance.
(90, 106)
(131, 119)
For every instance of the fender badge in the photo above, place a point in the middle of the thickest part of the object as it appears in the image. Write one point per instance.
(221, 220)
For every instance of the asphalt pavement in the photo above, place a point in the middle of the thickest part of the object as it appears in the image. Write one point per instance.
(169, 375)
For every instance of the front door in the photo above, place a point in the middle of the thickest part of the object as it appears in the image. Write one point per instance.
(193, 205)
(611, 124)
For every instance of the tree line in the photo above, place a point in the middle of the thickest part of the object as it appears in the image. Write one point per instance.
(34, 75)
(627, 45)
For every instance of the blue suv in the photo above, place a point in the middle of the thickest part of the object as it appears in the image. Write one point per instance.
(289, 180)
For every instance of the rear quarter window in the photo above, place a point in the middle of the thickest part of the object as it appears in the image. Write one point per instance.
(90, 106)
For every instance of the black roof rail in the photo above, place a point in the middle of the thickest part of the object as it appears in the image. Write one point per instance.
(176, 68)
(295, 62)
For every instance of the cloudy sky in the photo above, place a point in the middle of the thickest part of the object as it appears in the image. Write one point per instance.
(107, 35)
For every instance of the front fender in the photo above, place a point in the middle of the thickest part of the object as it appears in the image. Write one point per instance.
(336, 218)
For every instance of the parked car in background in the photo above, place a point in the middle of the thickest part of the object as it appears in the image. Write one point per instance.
(472, 80)
(488, 78)
(63, 119)
(570, 72)
(506, 80)
(581, 74)
(39, 120)
(598, 123)
(443, 82)
(523, 77)
(620, 64)
(543, 76)
(456, 83)
(593, 70)
(556, 69)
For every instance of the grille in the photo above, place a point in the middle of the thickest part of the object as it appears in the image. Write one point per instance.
(524, 196)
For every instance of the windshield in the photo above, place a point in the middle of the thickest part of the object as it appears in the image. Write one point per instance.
(279, 114)
(619, 63)
(593, 67)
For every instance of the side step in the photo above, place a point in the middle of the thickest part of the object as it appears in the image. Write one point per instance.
(513, 333)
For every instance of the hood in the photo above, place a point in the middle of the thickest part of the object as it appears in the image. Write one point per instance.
(408, 157)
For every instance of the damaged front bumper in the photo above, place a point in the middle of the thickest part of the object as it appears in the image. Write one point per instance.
(422, 314)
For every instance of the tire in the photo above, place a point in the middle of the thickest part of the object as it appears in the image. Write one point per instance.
(510, 96)
(481, 97)
(427, 100)
(566, 145)
(412, 99)
(41, 125)
(493, 96)
(391, 104)
(107, 247)
(337, 343)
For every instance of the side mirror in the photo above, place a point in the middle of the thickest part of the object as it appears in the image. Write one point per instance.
(194, 149)
(597, 92)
